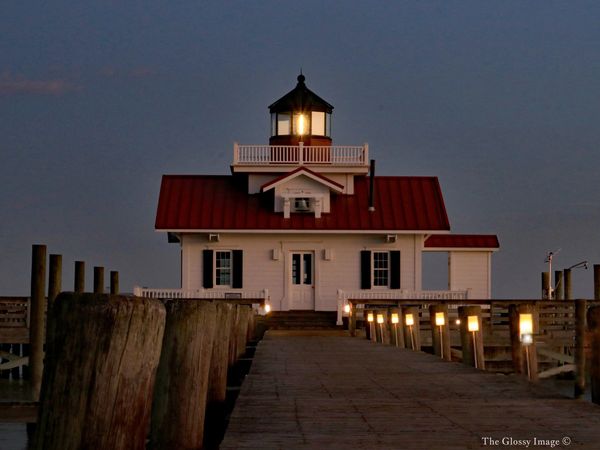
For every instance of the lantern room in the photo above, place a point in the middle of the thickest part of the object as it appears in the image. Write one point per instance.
(300, 116)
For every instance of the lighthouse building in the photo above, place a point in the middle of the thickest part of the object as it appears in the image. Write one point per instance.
(306, 224)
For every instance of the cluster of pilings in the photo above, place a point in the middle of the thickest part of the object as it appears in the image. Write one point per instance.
(125, 372)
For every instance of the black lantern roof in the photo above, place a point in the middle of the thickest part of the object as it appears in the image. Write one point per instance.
(300, 99)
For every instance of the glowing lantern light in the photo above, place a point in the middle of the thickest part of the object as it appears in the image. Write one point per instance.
(473, 323)
(370, 317)
(410, 320)
(379, 318)
(267, 308)
(439, 319)
(347, 309)
(395, 318)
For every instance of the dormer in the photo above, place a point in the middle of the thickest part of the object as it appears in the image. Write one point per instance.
(302, 191)
(300, 116)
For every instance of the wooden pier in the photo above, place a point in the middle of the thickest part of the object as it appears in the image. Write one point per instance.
(318, 390)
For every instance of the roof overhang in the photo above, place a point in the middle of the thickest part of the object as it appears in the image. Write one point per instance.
(300, 231)
(462, 243)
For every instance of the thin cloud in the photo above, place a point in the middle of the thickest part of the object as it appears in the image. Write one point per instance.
(11, 85)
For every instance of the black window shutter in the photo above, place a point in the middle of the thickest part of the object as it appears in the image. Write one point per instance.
(238, 269)
(395, 269)
(207, 269)
(365, 269)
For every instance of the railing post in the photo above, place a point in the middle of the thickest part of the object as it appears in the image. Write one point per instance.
(580, 310)
(365, 153)
(300, 153)
(340, 311)
(236, 153)
(471, 336)
(37, 311)
(440, 333)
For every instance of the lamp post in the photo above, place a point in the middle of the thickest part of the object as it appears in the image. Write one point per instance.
(526, 335)
(410, 321)
(473, 327)
(395, 318)
(440, 321)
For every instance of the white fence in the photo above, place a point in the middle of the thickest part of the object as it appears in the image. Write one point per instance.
(300, 154)
(201, 293)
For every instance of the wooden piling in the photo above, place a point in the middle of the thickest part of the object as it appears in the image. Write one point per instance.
(580, 310)
(524, 356)
(568, 287)
(114, 282)
(471, 341)
(54, 278)
(79, 281)
(596, 281)
(217, 384)
(178, 408)
(559, 285)
(440, 334)
(352, 320)
(593, 320)
(545, 286)
(397, 333)
(98, 280)
(36, 318)
(100, 371)
(412, 333)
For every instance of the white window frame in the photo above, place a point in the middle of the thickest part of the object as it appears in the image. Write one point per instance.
(216, 269)
(385, 270)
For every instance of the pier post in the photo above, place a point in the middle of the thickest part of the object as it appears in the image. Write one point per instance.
(54, 278)
(596, 281)
(593, 318)
(559, 285)
(114, 282)
(100, 371)
(79, 277)
(352, 319)
(440, 333)
(546, 286)
(471, 340)
(568, 286)
(36, 318)
(396, 327)
(412, 333)
(98, 280)
(580, 310)
(179, 405)
(524, 355)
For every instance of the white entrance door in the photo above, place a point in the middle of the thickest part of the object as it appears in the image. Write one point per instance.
(302, 283)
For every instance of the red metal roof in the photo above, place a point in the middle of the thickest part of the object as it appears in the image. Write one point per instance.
(205, 202)
(462, 241)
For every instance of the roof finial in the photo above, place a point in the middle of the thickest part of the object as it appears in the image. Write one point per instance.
(301, 77)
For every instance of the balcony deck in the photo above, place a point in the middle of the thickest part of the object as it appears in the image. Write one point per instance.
(269, 158)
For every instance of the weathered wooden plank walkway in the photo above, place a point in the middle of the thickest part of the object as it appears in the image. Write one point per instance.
(336, 392)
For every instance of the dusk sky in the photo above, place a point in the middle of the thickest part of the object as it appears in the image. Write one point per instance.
(500, 100)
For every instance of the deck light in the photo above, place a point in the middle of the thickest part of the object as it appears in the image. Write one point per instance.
(347, 308)
(457, 322)
(473, 323)
(440, 320)
(395, 318)
(379, 319)
(267, 308)
(370, 317)
(526, 328)
(410, 320)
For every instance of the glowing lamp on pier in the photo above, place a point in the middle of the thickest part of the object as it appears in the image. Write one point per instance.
(380, 318)
(267, 308)
(395, 318)
(347, 309)
(473, 323)
(440, 320)
(370, 317)
(410, 320)
(526, 328)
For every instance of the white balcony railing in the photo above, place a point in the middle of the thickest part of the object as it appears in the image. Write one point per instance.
(201, 293)
(253, 155)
